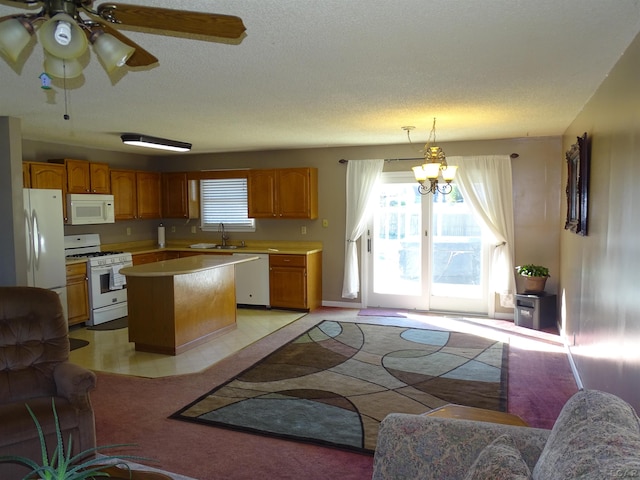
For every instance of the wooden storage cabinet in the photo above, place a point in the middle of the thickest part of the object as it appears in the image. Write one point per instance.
(77, 293)
(283, 193)
(135, 194)
(151, 257)
(295, 281)
(86, 177)
(180, 196)
(123, 187)
(46, 175)
(148, 190)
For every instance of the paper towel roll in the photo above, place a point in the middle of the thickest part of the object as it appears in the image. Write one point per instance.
(161, 236)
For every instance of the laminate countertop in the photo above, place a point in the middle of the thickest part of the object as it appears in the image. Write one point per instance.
(262, 246)
(181, 266)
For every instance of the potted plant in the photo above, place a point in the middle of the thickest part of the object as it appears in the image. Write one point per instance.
(61, 465)
(535, 277)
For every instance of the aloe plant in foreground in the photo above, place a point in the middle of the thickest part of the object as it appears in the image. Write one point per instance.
(61, 465)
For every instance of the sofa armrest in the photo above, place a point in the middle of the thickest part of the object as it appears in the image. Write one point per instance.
(423, 447)
(74, 383)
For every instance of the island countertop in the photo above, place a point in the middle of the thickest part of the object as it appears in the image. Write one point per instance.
(180, 266)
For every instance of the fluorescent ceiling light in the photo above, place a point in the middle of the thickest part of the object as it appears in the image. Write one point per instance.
(154, 142)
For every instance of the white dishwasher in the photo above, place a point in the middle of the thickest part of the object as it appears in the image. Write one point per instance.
(252, 280)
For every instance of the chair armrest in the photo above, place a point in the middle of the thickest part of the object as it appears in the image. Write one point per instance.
(423, 447)
(74, 383)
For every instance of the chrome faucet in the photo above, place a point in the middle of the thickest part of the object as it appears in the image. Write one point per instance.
(225, 237)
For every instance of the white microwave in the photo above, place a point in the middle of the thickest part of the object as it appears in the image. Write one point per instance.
(87, 209)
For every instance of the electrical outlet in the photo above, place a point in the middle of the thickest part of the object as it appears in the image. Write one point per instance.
(193, 229)
(128, 231)
(325, 223)
(303, 230)
(173, 229)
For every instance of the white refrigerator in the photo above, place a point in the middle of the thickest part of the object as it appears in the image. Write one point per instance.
(45, 241)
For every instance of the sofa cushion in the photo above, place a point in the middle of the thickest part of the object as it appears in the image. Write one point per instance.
(499, 460)
(596, 436)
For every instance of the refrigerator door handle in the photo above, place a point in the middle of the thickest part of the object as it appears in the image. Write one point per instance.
(36, 240)
(27, 221)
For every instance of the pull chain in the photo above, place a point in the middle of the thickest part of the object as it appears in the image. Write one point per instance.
(64, 86)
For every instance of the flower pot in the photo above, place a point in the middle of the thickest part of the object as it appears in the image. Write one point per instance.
(534, 284)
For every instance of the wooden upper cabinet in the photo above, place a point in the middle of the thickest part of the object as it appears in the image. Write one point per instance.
(86, 177)
(78, 175)
(123, 187)
(100, 178)
(48, 175)
(148, 190)
(26, 175)
(261, 195)
(180, 196)
(283, 193)
(298, 192)
(135, 194)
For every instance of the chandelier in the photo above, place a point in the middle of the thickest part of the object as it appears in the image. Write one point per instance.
(64, 36)
(434, 166)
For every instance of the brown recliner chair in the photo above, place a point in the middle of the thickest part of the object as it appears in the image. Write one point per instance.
(34, 368)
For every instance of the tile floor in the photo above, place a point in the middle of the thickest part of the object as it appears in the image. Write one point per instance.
(111, 351)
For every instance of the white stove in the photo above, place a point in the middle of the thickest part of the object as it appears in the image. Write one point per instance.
(107, 287)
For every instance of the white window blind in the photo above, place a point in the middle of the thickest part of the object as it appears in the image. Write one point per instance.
(224, 200)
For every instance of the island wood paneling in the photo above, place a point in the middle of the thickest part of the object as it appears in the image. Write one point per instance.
(174, 313)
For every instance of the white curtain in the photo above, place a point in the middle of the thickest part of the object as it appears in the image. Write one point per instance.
(362, 178)
(486, 183)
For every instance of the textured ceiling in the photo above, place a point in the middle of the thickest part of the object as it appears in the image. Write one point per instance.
(316, 73)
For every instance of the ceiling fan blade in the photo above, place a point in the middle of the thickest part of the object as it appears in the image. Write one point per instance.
(140, 58)
(181, 21)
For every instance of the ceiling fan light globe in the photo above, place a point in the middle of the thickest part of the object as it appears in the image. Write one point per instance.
(61, 68)
(54, 34)
(14, 37)
(112, 52)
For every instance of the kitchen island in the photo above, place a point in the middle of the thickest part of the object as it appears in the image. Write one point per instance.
(176, 305)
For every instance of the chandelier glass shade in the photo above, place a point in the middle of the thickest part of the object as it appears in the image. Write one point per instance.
(435, 166)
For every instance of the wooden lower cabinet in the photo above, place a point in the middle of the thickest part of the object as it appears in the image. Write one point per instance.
(295, 281)
(77, 293)
(151, 257)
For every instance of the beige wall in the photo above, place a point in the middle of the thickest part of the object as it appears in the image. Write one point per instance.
(599, 284)
(537, 191)
(536, 175)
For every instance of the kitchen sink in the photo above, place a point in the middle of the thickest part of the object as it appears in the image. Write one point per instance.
(228, 247)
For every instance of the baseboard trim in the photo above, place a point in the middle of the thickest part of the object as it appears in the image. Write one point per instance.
(574, 368)
(327, 303)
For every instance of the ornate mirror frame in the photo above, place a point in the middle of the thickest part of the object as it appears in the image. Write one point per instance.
(578, 186)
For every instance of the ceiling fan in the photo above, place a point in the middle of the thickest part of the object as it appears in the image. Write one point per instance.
(65, 34)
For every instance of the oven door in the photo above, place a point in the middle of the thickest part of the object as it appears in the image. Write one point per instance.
(104, 291)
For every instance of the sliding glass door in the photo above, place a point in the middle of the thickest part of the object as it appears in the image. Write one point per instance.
(424, 252)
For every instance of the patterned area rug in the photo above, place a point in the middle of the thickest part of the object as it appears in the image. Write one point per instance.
(335, 383)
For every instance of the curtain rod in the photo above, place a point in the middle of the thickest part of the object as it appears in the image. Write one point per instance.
(344, 161)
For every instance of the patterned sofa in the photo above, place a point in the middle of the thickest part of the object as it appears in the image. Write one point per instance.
(596, 437)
